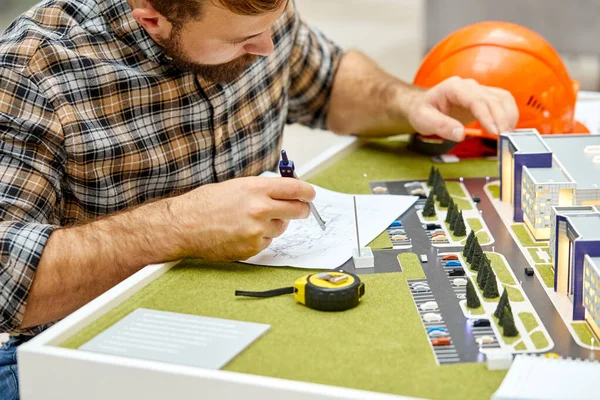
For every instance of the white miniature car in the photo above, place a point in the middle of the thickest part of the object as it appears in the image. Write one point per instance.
(432, 317)
(417, 192)
(461, 296)
(421, 288)
(429, 306)
(423, 258)
(413, 185)
(487, 339)
(416, 284)
(399, 238)
(459, 282)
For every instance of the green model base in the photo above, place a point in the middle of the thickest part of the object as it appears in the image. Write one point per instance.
(379, 346)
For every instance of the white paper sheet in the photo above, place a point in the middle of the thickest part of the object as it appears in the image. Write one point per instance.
(305, 245)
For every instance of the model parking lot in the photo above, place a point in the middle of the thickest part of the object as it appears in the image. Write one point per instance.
(446, 354)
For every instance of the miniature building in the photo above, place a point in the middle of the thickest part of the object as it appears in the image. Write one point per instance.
(591, 292)
(540, 172)
(576, 253)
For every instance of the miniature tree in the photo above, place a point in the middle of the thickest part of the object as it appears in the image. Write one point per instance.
(429, 208)
(431, 179)
(460, 229)
(482, 275)
(455, 216)
(444, 197)
(508, 323)
(490, 291)
(477, 261)
(440, 186)
(450, 211)
(474, 246)
(502, 303)
(436, 178)
(469, 243)
(472, 298)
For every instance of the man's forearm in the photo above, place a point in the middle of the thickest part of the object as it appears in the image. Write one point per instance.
(82, 262)
(367, 101)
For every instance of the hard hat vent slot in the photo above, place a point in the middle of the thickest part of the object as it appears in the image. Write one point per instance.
(534, 103)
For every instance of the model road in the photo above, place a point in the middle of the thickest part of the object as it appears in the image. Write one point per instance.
(505, 245)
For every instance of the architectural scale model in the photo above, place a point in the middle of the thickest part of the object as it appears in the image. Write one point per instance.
(500, 259)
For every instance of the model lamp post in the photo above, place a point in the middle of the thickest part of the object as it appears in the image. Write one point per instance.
(362, 256)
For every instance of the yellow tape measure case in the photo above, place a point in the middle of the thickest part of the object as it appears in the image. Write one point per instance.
(329, 291)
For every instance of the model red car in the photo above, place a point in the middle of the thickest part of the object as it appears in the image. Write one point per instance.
(442, 341)
(450, 257)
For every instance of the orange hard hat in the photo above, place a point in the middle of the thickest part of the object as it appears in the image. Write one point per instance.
(514, 58)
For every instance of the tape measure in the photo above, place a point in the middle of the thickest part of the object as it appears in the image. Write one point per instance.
(325, 291)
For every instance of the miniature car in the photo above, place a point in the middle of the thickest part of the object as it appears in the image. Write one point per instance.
(457, 272)
(429, 306)
(436, 234)
(552, 355)
(395, 224)
(459, 282)
(413, 185)
(399, 238)
(432, 317)
(423, 258)
(476, 199)
(453, 263)
(528, 271)
(417, 192)
(481, 322)
(380, 189)
(421, 289)
(461, 296)
(431, 227)
(397, 232)
(425, 286)
(441, 238)
(419, 284)
(435, 334)
(487, 339)
(437, 328)
(442, 341)
(449, 257)
(436, 231)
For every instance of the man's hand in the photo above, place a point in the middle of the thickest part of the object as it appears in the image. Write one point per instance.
(369, 102)
(237, 219)
(444, 109)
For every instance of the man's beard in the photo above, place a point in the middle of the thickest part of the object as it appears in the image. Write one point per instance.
(217, 73)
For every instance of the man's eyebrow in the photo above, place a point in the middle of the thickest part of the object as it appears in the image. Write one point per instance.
(287, 3)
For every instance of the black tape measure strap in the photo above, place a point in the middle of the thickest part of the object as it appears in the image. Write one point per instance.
(268, 293)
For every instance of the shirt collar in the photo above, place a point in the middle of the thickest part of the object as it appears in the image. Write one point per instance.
(117, 14)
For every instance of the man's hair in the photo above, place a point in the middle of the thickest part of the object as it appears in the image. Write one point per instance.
(179, 11)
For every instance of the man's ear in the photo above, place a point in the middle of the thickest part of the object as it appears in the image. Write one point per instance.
(151, 20)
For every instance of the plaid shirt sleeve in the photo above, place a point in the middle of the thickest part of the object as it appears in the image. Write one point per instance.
(314, 62)
(30, 165)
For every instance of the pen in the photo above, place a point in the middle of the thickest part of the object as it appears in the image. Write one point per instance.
(288, 170)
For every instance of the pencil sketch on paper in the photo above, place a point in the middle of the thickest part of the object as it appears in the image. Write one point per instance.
(305, 245)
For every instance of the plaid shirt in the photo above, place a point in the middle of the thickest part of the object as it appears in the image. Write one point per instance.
(94, 119)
